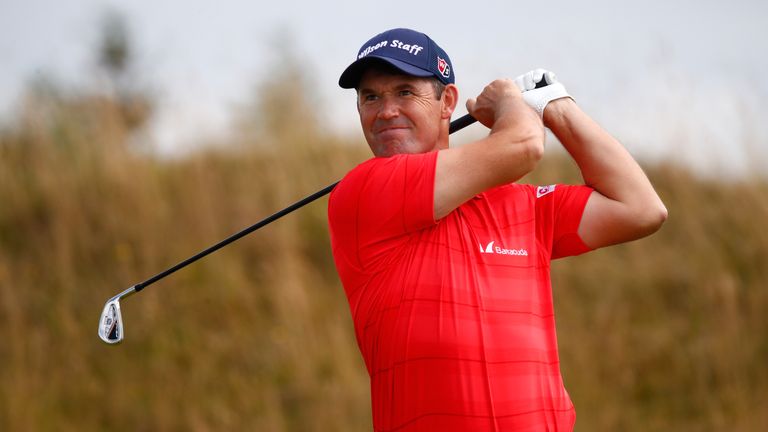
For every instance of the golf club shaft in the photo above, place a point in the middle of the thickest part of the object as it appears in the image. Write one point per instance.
(455, 125)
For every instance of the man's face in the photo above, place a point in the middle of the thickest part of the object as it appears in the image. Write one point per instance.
(399, 113)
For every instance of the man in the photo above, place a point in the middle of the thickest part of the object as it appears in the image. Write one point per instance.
(445, 260)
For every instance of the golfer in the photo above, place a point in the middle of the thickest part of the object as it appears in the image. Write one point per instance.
(445, 260)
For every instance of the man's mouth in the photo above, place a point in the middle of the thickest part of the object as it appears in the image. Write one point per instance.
(389, 128)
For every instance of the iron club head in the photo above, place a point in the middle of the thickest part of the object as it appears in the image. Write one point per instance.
(111, 321)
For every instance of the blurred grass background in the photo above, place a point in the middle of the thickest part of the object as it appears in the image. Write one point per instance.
(667, 333)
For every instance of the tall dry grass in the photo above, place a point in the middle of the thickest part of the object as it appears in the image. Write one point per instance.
(668, 333)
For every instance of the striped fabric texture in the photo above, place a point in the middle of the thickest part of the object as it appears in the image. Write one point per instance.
(454, 318)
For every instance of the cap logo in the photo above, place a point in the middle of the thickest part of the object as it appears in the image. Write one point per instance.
(371, 48)
(443, 67)
(410, 48)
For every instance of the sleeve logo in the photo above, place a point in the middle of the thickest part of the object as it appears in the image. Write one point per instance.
(543, 190)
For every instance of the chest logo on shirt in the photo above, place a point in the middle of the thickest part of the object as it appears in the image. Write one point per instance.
(491, 249)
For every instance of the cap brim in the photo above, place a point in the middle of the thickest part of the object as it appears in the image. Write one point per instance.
(351, 75)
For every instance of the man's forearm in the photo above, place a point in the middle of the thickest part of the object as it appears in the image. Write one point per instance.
(605, 164)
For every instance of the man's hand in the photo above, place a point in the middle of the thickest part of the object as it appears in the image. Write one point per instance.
(496, 100)
(512, 148)
(540, 87)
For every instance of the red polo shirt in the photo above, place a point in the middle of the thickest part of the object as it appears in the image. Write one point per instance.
(454, 317)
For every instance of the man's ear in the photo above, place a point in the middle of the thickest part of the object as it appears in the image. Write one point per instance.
(449, 100)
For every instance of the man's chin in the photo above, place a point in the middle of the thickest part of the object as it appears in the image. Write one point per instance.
(394, 136)
(391, 147)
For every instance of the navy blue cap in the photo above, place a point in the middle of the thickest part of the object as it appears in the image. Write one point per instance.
(411, 52)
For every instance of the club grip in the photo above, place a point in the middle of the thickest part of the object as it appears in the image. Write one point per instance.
(460, 123)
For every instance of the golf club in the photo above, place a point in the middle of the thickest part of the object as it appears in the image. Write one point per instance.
(111, 328)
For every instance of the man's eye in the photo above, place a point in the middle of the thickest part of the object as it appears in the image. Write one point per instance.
(369, 98)
(405, 92)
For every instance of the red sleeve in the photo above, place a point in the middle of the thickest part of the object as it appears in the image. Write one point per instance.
(377, 205)
(569, 207)
(566, 204)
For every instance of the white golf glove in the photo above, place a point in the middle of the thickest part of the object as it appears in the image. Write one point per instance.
(540, 87)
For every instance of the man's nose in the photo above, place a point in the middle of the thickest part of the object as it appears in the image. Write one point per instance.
(389, 108)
